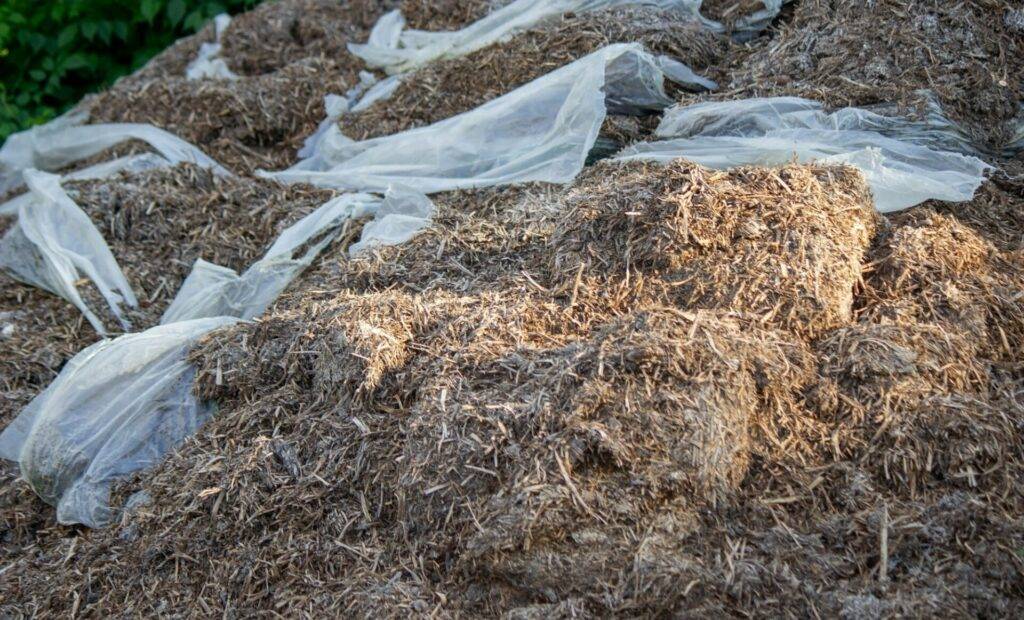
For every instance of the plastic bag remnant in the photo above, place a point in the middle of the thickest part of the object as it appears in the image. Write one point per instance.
(206, 63)
(541, 131)
(212, 290)
(54, 243)
(117, 407)
(894, 155)
(396, 50)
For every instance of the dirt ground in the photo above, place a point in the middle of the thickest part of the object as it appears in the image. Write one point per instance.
(661, 390)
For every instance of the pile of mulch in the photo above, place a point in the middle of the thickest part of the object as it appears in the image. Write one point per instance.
(663, 390)
(289, 56)
(497, 417)
(970, 54)
(247, 124)
(277, 34)
(440, 15)
(713, 241)
(449, 87)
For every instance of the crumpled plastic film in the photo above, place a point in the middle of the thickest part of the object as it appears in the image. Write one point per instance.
(396, 50)
(212, 290)
(18, 151)
(1015, 144)
(895, 156)
(401, 215)
(358, 98)
(206, 64)
(117, 407)
(52, 147)
(541, 131)
(749, 25)
(54, 244)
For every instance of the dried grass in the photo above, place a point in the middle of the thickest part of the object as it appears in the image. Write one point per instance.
(782, 244)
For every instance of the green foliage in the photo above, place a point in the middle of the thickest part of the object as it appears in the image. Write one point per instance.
(53, 52)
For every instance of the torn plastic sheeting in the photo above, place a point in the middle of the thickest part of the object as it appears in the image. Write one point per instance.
(54, 148)
(1015, 143)
(358, 98)
(541, 131)
(18, 151)
(401, 216)
(396, 50)
(117, 407)
(902, 171)
(748, 26)
(212, 290)
(746, 117)
(206, 64)
(54, 244)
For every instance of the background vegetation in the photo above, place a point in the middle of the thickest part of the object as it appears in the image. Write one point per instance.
(52, 52)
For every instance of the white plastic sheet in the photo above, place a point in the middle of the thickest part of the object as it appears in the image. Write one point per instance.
(212, 290)
(541, 131)
(18, 151)
(51, 147)
(396, 50)
(749, 25)
(206, 64)
(54, 244)
(893, 154)
(116, 408)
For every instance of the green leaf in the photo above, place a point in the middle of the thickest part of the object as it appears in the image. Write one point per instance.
(195, 20)
(89, 30)
(37, 75)
(105, 31)
(148, 9)
(67, 36)
(76, 61)
(121, 30)
(176, 11)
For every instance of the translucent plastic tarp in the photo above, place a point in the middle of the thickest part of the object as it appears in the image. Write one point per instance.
(541, 131)
(117, 407)
(1015, 144)
(896, 157)
(53, 146)
(212, 290)
(749, 25)
(358, 98)
(54, 244)
(17, 152)
(396, 50)
(206, 65)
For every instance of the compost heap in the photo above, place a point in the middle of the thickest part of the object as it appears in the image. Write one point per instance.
(662, 389)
